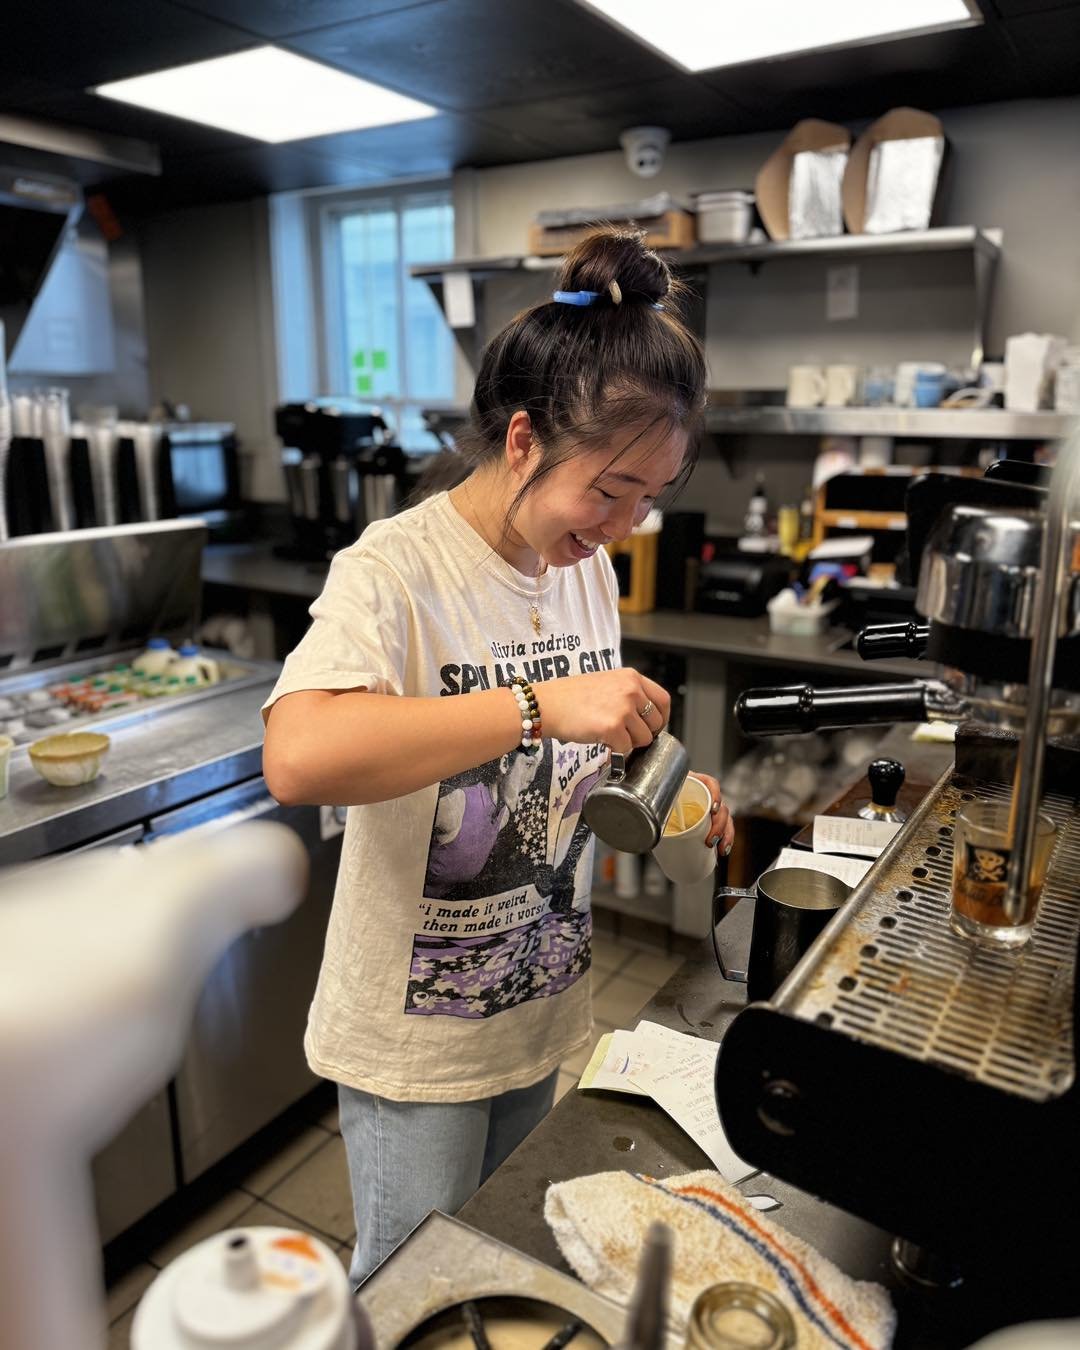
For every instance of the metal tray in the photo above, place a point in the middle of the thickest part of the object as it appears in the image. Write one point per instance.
(444, 1261)
(889, 971)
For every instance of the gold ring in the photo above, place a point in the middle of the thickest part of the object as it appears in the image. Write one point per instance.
(646, 710)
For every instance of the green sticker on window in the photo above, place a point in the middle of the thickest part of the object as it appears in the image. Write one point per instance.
(378, 359)
(359, 358)
(363, 384)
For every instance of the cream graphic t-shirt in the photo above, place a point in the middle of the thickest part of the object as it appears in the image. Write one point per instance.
(460, 931)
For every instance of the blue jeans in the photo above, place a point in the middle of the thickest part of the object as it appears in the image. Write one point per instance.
(408, 1158)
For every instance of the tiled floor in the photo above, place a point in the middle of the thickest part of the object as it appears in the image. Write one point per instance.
(305, 1184)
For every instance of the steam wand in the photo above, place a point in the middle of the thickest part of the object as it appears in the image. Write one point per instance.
(1055, 568)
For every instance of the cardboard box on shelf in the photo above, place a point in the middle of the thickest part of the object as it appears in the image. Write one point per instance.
(671, 229)
(893, 189)
(773, 184)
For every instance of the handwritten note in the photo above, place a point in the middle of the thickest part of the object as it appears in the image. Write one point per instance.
(851, 834)
(849, 870)
(678, 1072)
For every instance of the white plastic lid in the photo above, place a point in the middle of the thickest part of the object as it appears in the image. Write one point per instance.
(725, 197)
(249, 1289)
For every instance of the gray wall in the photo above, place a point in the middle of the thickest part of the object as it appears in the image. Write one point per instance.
(210, 327)
(1015, 166)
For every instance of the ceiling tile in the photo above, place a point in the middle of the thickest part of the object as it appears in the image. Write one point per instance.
(235, 175)
(278, 18)
(434, 146)
(591, 121)
(1009, 8)
(1049, 43)
(937, 70)
(77, 43)
(469, 54)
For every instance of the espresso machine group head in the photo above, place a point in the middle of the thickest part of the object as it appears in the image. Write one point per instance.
(343, 469)
(901, 1071)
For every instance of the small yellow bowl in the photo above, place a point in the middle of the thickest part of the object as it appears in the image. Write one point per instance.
(71, 758)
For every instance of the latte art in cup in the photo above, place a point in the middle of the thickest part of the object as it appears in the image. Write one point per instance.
(691, 813)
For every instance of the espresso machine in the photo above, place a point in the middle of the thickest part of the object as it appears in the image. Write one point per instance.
(343, 470)
(901, 1072)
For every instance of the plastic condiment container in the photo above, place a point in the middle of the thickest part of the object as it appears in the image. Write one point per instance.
(157, 657)
(724, 217)
(788, 616)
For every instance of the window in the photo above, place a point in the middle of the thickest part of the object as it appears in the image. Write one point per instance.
(386, 340)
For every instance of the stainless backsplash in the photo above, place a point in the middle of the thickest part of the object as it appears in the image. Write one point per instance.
(68, 594)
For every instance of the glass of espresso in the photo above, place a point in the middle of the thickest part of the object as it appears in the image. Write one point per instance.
(980, 872)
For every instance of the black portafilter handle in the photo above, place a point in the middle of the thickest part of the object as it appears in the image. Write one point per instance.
(886, 779)
(887, 641)
(793, 708)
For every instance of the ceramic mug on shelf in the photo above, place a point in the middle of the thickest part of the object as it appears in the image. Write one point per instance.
(841, 383)
(907, 374)
(806, 386)
(929, 388)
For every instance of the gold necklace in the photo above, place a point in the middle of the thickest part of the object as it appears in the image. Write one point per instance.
(535, 616)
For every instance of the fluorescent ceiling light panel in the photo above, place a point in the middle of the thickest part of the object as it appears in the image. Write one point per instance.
(707, 34)
(268, 94)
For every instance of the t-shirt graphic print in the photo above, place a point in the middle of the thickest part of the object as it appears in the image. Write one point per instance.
(459, 930)
(505, 915)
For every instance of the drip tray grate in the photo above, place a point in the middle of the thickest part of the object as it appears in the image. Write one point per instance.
(890, 971)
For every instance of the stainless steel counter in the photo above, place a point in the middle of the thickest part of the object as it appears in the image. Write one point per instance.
(154, 764)
(255, 567)
(752, 642)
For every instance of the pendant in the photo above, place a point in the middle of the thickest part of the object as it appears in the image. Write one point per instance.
(534, 615)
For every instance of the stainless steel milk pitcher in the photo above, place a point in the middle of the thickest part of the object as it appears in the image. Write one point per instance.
(630, 804)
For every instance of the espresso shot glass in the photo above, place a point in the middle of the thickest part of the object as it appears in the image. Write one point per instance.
(981, 855)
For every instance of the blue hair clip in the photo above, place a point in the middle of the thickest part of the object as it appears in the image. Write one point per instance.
(575, 297)
(584, 298)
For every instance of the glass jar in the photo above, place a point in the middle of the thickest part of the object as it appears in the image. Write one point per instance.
(739, 1316)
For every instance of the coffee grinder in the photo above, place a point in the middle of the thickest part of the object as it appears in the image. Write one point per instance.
(902, 1072)
(343, 470)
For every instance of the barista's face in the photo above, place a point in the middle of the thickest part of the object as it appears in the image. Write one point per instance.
(598, 496)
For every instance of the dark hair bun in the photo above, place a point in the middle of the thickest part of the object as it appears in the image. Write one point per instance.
(616, 255)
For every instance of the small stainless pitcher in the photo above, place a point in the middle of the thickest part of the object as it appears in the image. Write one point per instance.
(630, 804)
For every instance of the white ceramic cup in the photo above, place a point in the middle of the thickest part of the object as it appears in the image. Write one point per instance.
(684, 857)
(806, 386)
(841, 383)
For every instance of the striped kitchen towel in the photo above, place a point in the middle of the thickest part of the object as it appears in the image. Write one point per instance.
(600, 1221)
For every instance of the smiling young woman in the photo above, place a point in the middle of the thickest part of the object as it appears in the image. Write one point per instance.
(474, 629)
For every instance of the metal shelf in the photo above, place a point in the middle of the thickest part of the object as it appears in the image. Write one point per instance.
(983, 247)
(993, 424)
(947, 239)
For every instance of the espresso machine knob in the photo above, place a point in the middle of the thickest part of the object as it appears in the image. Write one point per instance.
(886, 779)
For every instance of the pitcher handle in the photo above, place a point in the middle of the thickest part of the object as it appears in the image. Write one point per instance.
(729, 972)
(616, 767)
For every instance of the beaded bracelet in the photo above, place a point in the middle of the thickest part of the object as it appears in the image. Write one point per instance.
(523, 694)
